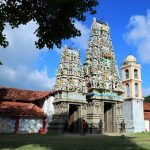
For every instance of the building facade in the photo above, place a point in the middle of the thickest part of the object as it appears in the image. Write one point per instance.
(133, 100)
(24, 111)
(147, 116)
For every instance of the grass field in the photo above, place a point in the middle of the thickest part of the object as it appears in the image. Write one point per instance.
(74, 142)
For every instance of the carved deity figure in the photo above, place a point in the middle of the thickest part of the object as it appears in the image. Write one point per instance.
(122, 127)
(100, 126)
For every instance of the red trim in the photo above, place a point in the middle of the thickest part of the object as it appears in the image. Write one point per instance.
(43, 130)
(17, 124)
(44, 123)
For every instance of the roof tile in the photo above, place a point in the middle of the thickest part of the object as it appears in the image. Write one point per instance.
(20, 109)
(146, 106)
(14, 94)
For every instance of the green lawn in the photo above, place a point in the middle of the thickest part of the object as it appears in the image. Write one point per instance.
(74, 142)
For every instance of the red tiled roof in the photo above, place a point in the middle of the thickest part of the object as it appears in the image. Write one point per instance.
(147, 107)
(20, 109)
(14, 94)
(147, 115)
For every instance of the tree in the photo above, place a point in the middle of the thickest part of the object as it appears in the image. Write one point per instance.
(55, 18)
(147, 99)
(1, 63)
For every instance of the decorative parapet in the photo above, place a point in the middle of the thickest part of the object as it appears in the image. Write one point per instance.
(108, 96)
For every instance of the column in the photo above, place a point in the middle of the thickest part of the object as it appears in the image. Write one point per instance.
(17, 124)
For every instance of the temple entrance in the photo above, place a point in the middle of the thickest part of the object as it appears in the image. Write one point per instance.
(108, 117)
(74, 118)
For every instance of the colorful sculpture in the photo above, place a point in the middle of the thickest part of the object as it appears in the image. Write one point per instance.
(94, 93)
(70, 73)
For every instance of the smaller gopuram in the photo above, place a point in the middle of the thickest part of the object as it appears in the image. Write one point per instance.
(69, 93)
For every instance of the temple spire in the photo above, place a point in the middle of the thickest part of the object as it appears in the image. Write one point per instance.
(70, 75)
(100, 64)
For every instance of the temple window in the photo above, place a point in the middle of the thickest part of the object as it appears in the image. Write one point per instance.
(127, 90)
(135, 74)
(127, 73)
(136, 89)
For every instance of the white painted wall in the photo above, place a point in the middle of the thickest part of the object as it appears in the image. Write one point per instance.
(127, 115)
(147, 125)
(138, 115)
(30, 125)
(48, 108)
(134, 115)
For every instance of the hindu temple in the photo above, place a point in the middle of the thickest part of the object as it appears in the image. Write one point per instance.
(92, 92)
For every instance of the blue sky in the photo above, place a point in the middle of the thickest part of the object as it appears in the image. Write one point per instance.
(29, 68)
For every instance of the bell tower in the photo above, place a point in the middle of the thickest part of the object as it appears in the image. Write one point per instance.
(131, 78)
(133, 104)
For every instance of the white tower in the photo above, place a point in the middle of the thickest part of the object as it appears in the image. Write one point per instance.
(133, 104)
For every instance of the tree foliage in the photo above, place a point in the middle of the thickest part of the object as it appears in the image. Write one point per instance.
(147, 99)
(55, 18)
(1, 63)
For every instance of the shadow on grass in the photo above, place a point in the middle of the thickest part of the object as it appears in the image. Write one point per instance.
(68, 142)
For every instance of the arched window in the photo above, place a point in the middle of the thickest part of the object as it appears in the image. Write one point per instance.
(127, 90)
(127, 73)
(136, 89)
(135, 74)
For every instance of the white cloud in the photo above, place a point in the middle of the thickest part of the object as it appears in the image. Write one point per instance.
(21, 46)
(146, 91)
(20, 59)
(40, 79)
(23, 77)
(139, 35)
(82, 41)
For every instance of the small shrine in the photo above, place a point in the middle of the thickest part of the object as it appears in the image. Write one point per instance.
(69, 93)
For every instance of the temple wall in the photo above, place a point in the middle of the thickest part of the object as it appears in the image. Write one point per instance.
(134, 115)
(7, 124)
(48, 108)
(26, 125)
(128, 116)
(147, 125)
(138, 115)
(31, 125)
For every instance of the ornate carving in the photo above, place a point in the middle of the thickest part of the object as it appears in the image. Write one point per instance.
(70, 73)
(100, 65)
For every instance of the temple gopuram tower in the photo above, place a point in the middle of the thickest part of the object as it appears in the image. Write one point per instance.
(133, 103)
(70, 104)
(104, 112)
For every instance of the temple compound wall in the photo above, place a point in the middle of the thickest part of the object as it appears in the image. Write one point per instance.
(25, 111)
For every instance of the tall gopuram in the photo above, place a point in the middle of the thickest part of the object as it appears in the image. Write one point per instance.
(70, 104)
(104, 112)
(133, 103)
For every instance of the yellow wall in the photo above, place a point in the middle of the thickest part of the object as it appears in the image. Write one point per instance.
(131, 80)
